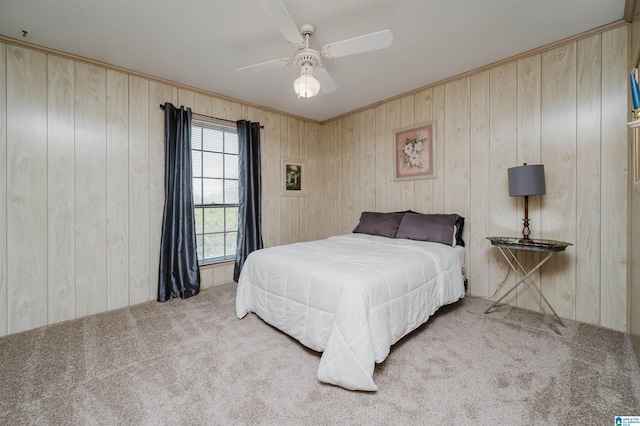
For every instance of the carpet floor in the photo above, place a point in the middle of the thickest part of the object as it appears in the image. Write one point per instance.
(193, 362)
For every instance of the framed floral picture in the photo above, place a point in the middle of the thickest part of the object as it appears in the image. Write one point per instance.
(415, 152)
(293, 177)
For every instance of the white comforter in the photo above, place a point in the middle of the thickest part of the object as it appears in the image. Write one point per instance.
(350, 297)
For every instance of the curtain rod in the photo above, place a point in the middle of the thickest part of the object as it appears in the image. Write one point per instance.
(208, 116)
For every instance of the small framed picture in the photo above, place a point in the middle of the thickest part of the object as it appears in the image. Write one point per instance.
(293, 177)
(415, 152)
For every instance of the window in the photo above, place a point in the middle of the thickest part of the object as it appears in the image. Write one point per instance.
(215, 190)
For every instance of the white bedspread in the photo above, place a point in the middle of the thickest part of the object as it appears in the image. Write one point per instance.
(350, 297)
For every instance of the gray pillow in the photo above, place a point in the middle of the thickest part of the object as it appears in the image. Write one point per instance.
(438, 228)
(382, 224)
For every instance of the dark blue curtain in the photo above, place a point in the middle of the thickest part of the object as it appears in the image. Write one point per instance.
(179, 272)
(249, 193)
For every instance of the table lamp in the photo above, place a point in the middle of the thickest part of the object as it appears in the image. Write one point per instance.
(525, 181)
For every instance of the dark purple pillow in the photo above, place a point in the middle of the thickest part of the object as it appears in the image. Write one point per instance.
(459, 229)
(438, 228)
(382, 224)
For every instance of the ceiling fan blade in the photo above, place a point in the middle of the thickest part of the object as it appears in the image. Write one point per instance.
(365, 43)
(264, 66)
(283, 21)
(326, 82)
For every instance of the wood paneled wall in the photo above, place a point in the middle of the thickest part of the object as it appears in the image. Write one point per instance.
(82, 165)
(565, 108)
(82, 184)
(635, 197)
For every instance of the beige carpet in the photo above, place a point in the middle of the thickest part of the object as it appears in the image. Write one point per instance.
(192, 362)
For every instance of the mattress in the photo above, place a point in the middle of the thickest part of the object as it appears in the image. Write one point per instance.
(350, 297)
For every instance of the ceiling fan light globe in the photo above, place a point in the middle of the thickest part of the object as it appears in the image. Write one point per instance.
(306, 86)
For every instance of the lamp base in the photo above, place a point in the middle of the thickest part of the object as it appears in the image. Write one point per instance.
(525, 232)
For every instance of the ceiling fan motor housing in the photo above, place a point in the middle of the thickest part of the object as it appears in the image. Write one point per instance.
(307, 56)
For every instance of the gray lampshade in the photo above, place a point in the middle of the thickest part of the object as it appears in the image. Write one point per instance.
(526, 180)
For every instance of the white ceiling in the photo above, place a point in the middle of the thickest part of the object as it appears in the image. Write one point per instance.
(200, 43)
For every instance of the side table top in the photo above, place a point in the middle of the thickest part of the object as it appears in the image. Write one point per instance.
(531, 244)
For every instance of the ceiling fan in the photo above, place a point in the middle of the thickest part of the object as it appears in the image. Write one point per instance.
(307, 59)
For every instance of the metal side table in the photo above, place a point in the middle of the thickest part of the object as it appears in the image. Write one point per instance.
(507, 246)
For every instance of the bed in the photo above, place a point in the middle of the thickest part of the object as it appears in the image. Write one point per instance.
(353, 296)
